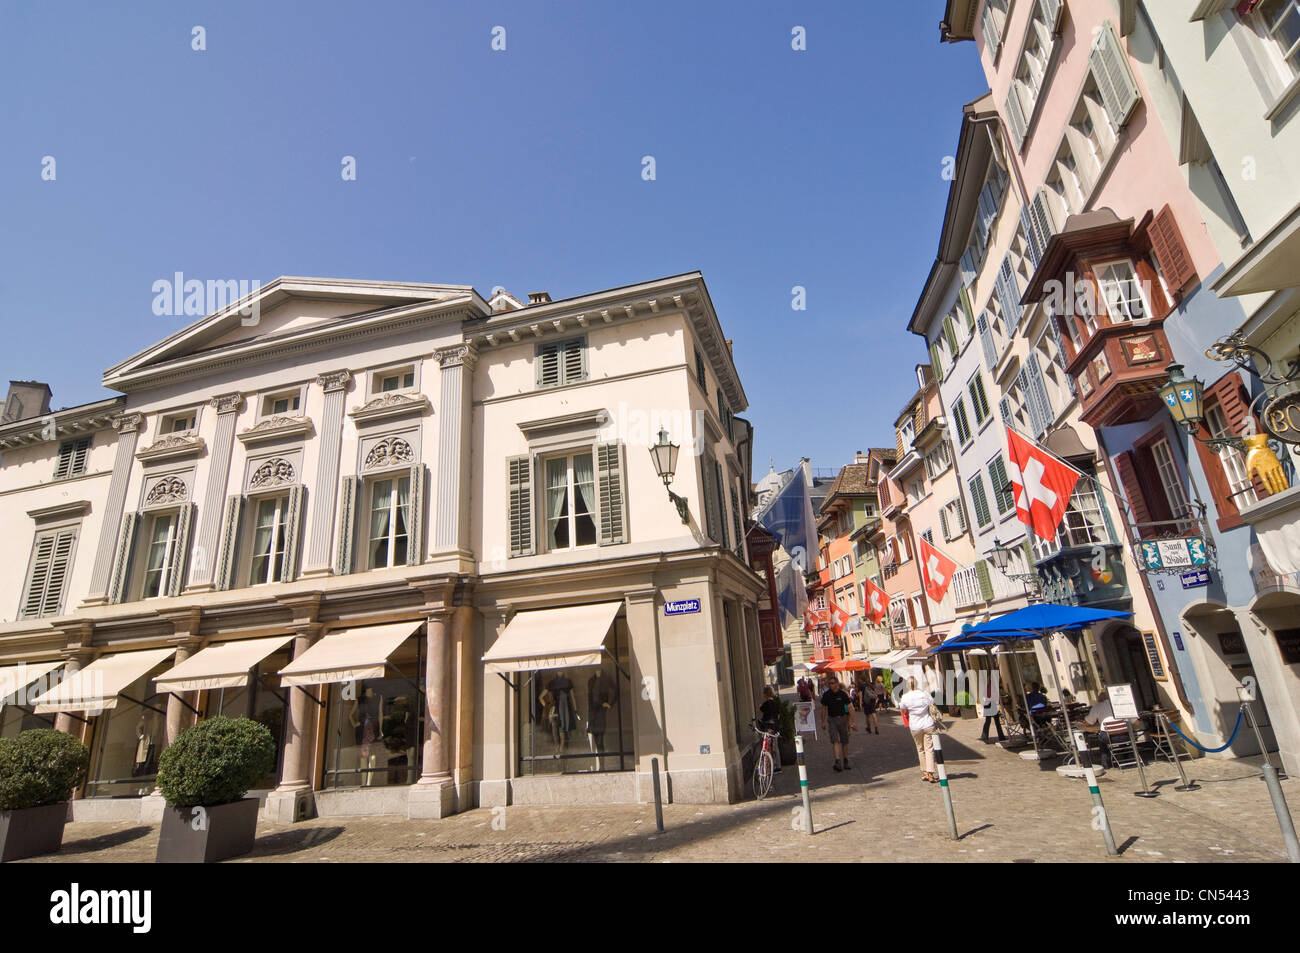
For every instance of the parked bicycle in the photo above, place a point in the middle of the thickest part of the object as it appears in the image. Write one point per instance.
(764, 763)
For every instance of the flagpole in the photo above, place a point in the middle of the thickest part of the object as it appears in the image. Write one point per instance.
(1087, 476)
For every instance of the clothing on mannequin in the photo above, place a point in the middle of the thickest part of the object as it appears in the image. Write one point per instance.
(364, 716)
(600, 699)
(143, 758)
(563, 713)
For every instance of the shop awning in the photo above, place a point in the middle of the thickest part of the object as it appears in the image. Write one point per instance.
(552, 638)
(348, 654)
(219, 666)
(892, 658)
(14, 678)
(96, 687)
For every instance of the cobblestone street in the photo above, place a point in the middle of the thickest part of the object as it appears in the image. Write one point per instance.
(1008, 809)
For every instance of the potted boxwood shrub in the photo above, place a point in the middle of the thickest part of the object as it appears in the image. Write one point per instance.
(38, 772)
(204, 775)
(786, 742)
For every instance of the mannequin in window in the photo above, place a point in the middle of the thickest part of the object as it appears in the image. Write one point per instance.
(396, 727)
(364, 715)
(564, 714)
(143, 757)
(600, 699)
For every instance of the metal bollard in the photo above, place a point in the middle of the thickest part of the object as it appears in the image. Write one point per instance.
(803, 784)
(1283, 813)
(1142, 775)
(943, 785)
(659, 800)
(1178, 762)
(1098, 808)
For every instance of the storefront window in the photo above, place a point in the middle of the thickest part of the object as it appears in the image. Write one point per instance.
(127, 742)
(375, 729)
(15, 720)
(262, 700)
(576, 720)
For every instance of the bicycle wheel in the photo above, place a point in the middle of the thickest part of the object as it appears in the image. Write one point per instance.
(763, 774)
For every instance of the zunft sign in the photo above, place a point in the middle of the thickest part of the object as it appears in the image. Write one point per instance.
(1169, 555)
(682, 607)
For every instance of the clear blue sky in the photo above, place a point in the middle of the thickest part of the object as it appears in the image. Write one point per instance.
(520, 168)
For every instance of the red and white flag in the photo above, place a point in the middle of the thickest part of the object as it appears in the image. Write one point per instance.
(876, 601)
(812, 618)
(936, 571)
(839, 619)
(1042, 484)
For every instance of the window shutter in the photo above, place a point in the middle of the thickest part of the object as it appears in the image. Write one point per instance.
(1230, 394)
(964, 296)
(710, 496)
(988, 209)
(722, 506)
(1004, 408)
(1055, 330)
(122, 560)
(1016, 124)
(613, 500)
(575, 361)
(979, 398)
(943, 523)
(72, 458)
(986, 582)
(39, 577)
(1032, 248)
(548, 365)
(936, 360)
(415, 531)
(1051, 13)
(950, 335)
(1170, 250)
(180, 551)
(1041, 220)
(519, 483)
(1008, 292)
(1109, 64)
(968, 270)
(961, 422)
(990, 28)
(349, 496)
(980, 501)
(737, 530)
(986, 341)
(228, 544)
(1128, 478)
(1036, 394)
(961, 516)
(294, 509)
(1002, 496)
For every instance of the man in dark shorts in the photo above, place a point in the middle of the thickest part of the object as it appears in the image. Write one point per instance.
(836, 706)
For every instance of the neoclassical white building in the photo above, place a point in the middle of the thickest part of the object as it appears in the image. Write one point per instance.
(416, 533)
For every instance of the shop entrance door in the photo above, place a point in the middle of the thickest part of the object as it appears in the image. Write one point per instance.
(1237, 657)
(1135, 667)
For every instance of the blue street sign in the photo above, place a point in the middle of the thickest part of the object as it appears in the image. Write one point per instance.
(1197, 577)
(1178, 641)
(682, 607)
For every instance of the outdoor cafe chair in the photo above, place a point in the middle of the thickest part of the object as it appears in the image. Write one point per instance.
(1120, 749)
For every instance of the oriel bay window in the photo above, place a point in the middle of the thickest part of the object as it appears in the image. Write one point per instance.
(581, 499)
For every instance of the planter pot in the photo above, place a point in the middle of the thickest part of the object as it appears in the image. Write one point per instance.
(205, 835)
(787, 752)
(32, 831)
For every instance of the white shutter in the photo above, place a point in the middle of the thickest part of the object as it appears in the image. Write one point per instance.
(990, 28)
(415, 517)
(1004, 408)
(1036, 395)
(349, 497)
(943, 523)
(1008, 291)
(39, 576)
(1051, 13)
(519, 483)
(1041, 220)
(228, 544)
(1060, 350)
(1109, 64)
(968, 270)
(180, 561)
(122, 559)
(1016, 124)
(986, 341)
(293, 510)
(613, 500)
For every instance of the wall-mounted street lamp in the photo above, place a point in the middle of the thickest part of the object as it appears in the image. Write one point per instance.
(664, 455)
(1184, 397)
(1000, 556)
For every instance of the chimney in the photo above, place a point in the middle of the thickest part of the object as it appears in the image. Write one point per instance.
(860, 457)
(539, 297)
(26, 399)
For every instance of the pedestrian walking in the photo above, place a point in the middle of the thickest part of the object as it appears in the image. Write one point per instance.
(882, 695)
(769, 716)
(836, 706)
(989, 708)
(922, 720)
(869, 702)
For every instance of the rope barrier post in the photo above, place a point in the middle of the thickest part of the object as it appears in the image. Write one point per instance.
(1259, 737)
(1099, 816)
(1283, 813)
(1178, 762)
(1137, 756)
(943, 784)
(803, 784)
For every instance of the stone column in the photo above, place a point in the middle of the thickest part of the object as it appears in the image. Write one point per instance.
(128, 428)
(178, 716)
(498, 715)
(646, 691)
(321, 527)
(451, 512)
(291, 800)
(434, 795)
(212, 510)
(75, 660)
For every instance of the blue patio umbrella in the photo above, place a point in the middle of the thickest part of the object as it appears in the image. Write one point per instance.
(1035, 622)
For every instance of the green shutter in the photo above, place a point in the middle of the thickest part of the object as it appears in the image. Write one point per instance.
(415, 519)
(122, 561)
(986, 583)
(519, 483)
(936, 360)
(950, 334)
(966, 306)
(349, 495)
(613, 501)
(175, 580)
(980, 501)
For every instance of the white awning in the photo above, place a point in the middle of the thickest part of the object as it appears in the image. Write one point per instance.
(348, 655)
(219, 666)
(891, 658)
(14, 678)
(553, 638)
(96, 687)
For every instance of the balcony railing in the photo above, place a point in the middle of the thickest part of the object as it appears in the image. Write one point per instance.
(1091, 575)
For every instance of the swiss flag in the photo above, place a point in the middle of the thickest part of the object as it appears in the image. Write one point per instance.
(936, 571)
(812, 618)
(839, 619)
(876, 602)
(1042, 485)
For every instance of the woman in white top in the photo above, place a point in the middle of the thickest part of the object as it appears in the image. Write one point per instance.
(917, 705)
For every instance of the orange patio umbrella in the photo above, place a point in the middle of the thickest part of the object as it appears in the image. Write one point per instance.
(847, 665)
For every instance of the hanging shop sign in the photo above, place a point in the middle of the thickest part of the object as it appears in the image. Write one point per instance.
(1280, 416)
(1169, 555)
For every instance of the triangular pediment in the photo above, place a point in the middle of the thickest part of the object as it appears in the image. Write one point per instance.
(285, 309)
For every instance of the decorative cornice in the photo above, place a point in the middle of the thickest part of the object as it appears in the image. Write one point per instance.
(276, 428)
(585, 419)
(228, 403)
(60, 511)
(172, 446)
(334, 380)
(389, 452)
(390, 405)
(457, 355)
(274, 472)
(127, 423)
(171, 489)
